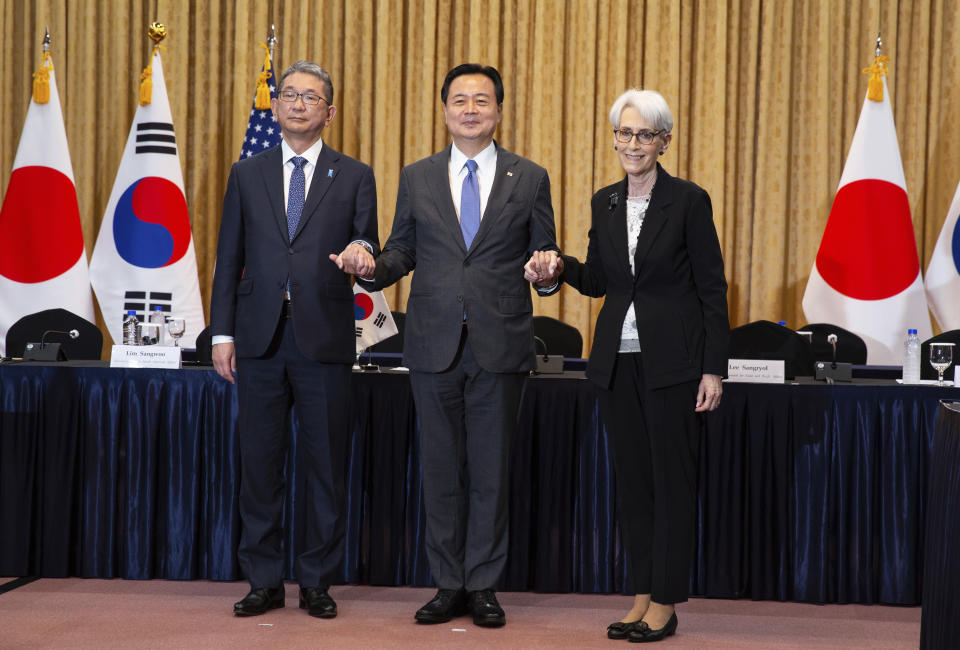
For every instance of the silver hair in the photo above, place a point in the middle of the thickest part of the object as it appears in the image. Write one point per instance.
(309, 67)
(649, 103)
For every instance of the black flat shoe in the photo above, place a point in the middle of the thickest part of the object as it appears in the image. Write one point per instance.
(485, 609)
(643, 634)
(446, 604)
(259, 601)
(317, 602)
(620, 630)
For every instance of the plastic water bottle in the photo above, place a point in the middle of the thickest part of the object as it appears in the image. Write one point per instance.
(130, 328)
(158, 318)
(911, 358)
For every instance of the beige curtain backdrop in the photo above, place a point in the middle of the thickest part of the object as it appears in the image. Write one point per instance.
(765, 97)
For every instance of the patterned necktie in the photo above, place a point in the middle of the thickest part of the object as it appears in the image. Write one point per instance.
(295, 196)
(470, 204)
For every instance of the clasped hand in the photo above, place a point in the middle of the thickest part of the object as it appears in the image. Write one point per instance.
(544, 268)
(355, 260)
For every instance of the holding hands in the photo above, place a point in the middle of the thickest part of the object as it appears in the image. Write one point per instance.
(355, 260)
(544, 268)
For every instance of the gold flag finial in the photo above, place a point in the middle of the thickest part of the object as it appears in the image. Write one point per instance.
(157, 32)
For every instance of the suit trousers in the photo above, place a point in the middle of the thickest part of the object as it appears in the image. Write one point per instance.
(655, 437)
(467, 420)
(319, 393)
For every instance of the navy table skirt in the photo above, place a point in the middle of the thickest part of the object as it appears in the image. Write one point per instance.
(808, 492)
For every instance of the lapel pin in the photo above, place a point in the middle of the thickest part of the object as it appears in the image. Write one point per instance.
(329, 173)
(509, 173)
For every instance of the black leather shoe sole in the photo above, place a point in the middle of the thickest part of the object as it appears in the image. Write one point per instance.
(239, 609)
(490, 621)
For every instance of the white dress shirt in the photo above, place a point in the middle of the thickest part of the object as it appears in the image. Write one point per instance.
(486, 171)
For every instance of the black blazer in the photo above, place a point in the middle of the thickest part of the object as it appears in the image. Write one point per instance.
(679, 292)
(255, 255)
(486, 281)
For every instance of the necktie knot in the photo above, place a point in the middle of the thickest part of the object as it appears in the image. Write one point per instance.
(471, 166)
(300, 161)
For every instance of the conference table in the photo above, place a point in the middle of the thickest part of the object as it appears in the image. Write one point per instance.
(808, 492)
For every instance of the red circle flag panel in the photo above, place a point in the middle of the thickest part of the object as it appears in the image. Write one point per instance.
(868, 250)
(39, 225)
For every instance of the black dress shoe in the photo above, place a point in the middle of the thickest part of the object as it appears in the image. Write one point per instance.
(485, 609)
(446, 604)
(259, 601)
(620, 630)
(317, 602)
(643, 634)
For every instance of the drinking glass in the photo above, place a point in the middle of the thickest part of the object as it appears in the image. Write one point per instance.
(941, 356)
(176, 327)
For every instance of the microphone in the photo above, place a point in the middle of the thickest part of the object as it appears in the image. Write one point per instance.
(832, 340)
(73, 334)
(543, 345)
(613, 201)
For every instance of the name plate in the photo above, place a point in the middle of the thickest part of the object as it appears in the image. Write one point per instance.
(758, 371)
(145, 356)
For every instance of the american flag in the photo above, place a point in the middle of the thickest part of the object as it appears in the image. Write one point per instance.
(263, 131)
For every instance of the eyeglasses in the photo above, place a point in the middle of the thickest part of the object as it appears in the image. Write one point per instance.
(309, 99)
(643, 137)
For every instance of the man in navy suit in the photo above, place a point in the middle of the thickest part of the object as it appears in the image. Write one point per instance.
(282, 322)
(468, 218)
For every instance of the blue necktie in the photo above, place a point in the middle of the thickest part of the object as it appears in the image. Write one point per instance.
(470, 204)
(295, 195)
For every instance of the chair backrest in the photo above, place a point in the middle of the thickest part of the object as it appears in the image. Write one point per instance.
(765, 340)
(395, 342)
(558, 337)
(31, 327)
(205, 347)
(926, 370)
(850, 347)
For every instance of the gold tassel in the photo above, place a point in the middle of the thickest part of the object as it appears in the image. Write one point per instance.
(877, 71)
(146, 79)
(263, 90)
(41, 80)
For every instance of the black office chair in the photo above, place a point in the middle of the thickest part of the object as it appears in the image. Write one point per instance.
(395, 342)
(926, 370)
(850, 347)
(765, 340)
(557, 337)
(205, 347)
(30, 329)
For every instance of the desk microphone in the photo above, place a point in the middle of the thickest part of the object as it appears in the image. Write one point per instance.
(543, 345)
(73, 334)
(832, 340)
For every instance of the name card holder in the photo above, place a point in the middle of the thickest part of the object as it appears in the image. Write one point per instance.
(756, 371)
(145, 356)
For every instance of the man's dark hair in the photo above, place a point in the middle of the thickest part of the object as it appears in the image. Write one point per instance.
(473, 68)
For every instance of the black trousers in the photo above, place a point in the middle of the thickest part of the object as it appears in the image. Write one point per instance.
(467, 421)
(655, 439)
(320, 394)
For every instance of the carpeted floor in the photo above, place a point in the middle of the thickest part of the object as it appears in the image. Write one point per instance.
(78, 613)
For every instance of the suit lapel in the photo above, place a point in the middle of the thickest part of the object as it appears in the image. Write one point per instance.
(655, 218)
(438, 181)
(617, 225)
(505, 181)
(271, 166)
(323, 176)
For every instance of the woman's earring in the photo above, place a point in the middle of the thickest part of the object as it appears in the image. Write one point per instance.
(616, 148)
(662, 152)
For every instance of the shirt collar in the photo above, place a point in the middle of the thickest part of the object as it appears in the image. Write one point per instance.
(486, 159)
(310, 154)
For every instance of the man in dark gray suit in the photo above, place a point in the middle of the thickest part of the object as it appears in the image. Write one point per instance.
(282, 320)
(468, 218)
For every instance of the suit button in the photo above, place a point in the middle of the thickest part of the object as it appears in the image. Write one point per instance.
(466, 263)
(290, 250)
(459, 298)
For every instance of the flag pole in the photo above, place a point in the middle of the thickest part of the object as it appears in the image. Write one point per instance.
(272, 43)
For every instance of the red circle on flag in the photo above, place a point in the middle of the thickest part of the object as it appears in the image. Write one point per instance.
(868, 251)
(39, 225)
(362, 306)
